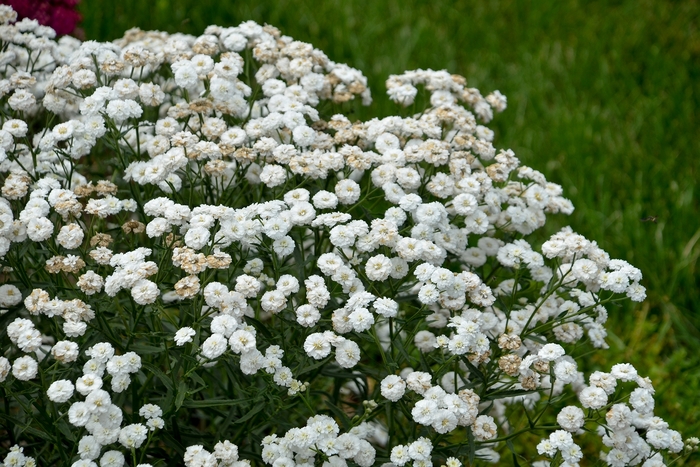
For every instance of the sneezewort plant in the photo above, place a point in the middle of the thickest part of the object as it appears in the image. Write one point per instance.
(206, 262)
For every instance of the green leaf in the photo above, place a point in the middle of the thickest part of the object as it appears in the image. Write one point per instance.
(162, 376)
(502, 394)
(260, 327)
(511, 447)
(214, 403)
(198, 379)
(67, 432)
(33, 431)
(312, 367)
(143, 349)
(472, 446)
(181, 393)
(256, 408)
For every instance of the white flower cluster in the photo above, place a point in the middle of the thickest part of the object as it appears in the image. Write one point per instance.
(16, 458)
(584, 262)
(300, 446)
(225, 455)
(228, 232)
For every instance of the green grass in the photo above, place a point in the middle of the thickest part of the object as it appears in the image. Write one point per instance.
(603, 99)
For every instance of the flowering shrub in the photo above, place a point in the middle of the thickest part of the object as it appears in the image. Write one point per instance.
(206, 262)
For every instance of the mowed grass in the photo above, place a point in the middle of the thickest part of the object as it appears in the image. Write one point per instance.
(603, 98)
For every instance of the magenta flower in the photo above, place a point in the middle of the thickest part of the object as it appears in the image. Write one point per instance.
(61, 15)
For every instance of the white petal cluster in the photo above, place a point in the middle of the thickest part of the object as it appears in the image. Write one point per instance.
(320, 436)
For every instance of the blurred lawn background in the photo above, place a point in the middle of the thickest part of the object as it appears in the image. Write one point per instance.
(603, 98)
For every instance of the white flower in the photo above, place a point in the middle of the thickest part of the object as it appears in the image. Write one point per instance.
(393, 387)
(10, 295)
(464, 204)
(546, 448)
(88, 383)
(361, 319)
(550, 352)
(428, 294)
(624, 372)
(247, 285)
(224, 325)
(150, 411)
(90, 283)
(197, 237)
(284, 246)
(642, 400)
(185, 74)
(273, 301)
(4, 368)
(386, 307)
(444, 421)
(242, 341)
(347, 191)
(22, 100)
(571, 418)
(155, 423)
(329, 263)
(606, 381)
(25, 368)
(303, 135)
(418, 381)
(347, 353)
(79, 413)
(98, 401)
(214, 346)
(399, 455)
(425, 341)
(17, 128)
(298, 195)
(120, 110)
(151, 94)
(420, 449)
(101, 352)
(424, 271)
(273, 175)
(60, 391)
(65, 351)
(288, 284)
(307, 315)
(484, 428)
(442, 278)
(325, 200)
(145, 292)
(317, 346)
(133, 436)
(39, 229)
(88, 448)
(636, 292)
(378, 268)
(283, 376)
(572, 453)
(251, 362)
(70, 236)
(565, 371)
(593, 398)
(112, 459)
(302, 213)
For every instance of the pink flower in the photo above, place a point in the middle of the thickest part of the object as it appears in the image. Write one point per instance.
(61, 15)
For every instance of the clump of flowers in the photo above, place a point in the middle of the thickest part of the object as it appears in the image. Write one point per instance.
(205, 261)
